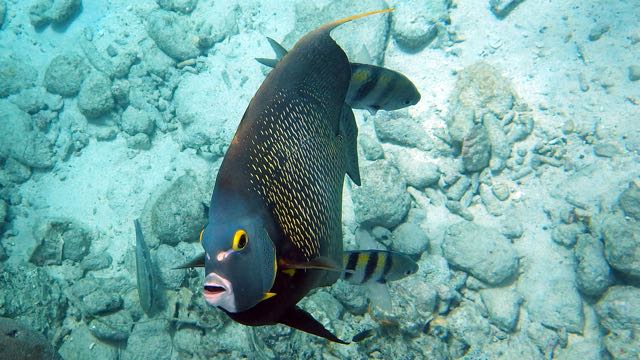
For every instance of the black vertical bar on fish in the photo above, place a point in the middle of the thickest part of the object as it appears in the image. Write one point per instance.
(351, 265)
(371, 266)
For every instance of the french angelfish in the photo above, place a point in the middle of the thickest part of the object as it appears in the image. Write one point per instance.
(274, 228)
(146, 276)
(371, 87)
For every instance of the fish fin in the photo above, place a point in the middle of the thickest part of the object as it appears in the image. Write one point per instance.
(372, 111)
(277, 48)
(380, 296)
(267, 62)
(299, 319)
(320, 263)
(267, 295)
(138, 229)
(198, 261)
(289, 272)
(349, 130)
(206, 209)
(332, 25)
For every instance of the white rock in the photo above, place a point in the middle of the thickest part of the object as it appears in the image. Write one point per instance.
(503, 305)
(382, 199)
(481, 251)
(416, 23)
(409, 238)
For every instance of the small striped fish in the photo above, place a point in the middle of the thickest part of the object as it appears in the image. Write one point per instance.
(376, 266)
(376, 88)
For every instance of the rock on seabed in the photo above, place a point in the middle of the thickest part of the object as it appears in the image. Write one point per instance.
(481, 251)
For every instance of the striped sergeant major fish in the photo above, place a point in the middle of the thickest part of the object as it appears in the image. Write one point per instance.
(371, 87)
(376, 266)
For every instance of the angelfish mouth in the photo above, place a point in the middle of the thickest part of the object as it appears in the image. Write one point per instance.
(213, 289)
(216, 290)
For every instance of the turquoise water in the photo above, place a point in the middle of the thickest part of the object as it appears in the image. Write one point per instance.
(513, 183)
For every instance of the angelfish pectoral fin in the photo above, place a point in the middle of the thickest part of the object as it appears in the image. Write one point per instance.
(198, 261)
(319, 263)
(349, 130)
(303, 321)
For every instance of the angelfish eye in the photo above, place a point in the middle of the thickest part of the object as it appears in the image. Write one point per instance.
(240, 240)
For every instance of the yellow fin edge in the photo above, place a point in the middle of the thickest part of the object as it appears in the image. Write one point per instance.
(267, 295)
(333, 24)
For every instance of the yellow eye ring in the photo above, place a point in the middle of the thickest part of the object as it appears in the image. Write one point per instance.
(240, 240)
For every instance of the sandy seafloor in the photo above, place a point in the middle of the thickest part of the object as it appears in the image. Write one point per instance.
(526, 225)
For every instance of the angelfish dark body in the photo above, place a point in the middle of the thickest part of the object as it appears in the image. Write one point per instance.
(286, 164)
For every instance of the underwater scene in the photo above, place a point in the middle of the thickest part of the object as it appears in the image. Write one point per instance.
(327, 179)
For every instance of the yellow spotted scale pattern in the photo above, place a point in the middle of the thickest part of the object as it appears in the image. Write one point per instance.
(297, 167)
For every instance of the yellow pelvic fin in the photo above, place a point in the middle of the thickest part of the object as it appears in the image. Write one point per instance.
(267, 295)
(289, 272)
(330, 26)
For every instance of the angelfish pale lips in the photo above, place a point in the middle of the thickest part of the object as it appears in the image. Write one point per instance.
(218, 291)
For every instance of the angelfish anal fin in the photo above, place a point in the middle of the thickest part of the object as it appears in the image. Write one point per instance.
(299, 319)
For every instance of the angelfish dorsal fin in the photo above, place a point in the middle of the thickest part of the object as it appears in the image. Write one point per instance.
(299, 319)
(332, 25)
